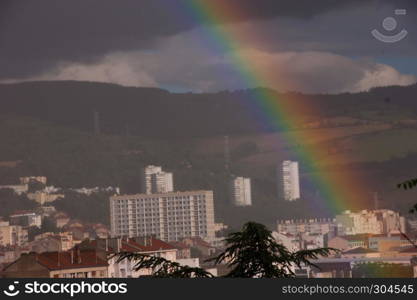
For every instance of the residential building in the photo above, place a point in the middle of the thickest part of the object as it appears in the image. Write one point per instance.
(320, 226)
(9, 254)
(46, 211)
(94, 190)
(331, 269)
(154, 180)
(290, 180)
(240, 191)
(183, 250)
(106, 248)
(349, 241)
(12, 235)
(301, 241)
(68, 264)
(61, 219)
(388, 243)
(204, 248)
(17, 188)
(167, 216)
(26, 219)
(29, 179)
(381, 221)
(42, 197)
(360, 252)
(50, 242)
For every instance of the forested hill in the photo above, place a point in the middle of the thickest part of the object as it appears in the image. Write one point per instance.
(155, 112)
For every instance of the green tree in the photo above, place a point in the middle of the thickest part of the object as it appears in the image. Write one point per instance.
(35, 186)
(251, 252)
(409, 184)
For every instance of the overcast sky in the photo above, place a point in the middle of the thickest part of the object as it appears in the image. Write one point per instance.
(320, 46)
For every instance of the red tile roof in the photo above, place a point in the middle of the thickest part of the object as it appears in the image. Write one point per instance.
(411, 249)
(150, 244)
(179, 245)
(359, 250)
(137, 244)
(62, 260)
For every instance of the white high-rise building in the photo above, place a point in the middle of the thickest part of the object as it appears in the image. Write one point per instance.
(290, 180)
(240, 190)
(167, 216)
(154, 180)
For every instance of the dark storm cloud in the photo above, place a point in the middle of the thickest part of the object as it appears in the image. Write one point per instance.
(37, 34)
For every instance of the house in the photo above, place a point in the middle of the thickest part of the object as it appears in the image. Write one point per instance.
(68, 264)
(49, 242)
(26, 218)
(61, 219)
(78, 230)
(360, 252)
(42, 197)
(101, 231)
(331, 269)
(11, 235)
(183, 250)
(349, 241)
(107, 248)
(204, 248)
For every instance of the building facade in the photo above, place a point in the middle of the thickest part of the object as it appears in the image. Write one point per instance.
(12, 235)
(240, 191)
(167, 216)
(26, 219)
(312, 226)
(154, 180)
(381, 221)
(68, 264)
(290, 180)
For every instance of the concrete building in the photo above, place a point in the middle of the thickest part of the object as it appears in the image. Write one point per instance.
(12, 235)
(347, 242)
(154, 180)
(381, 221)
(50, 242)
(26, 219)
(17, 188)
(301, 241)
(388, 243)
(167, 216)
(29, 179)
(320, 226)
(43, 198)
(290, 180)
(240, 191)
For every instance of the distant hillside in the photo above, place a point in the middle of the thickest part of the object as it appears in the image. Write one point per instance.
(46, 129)
(154, 112)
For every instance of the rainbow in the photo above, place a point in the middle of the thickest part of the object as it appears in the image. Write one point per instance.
(339, 189)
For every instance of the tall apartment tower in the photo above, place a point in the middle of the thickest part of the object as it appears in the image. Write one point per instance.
(167, 216)
(240, 191)
(154, 180)
(290, 180)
